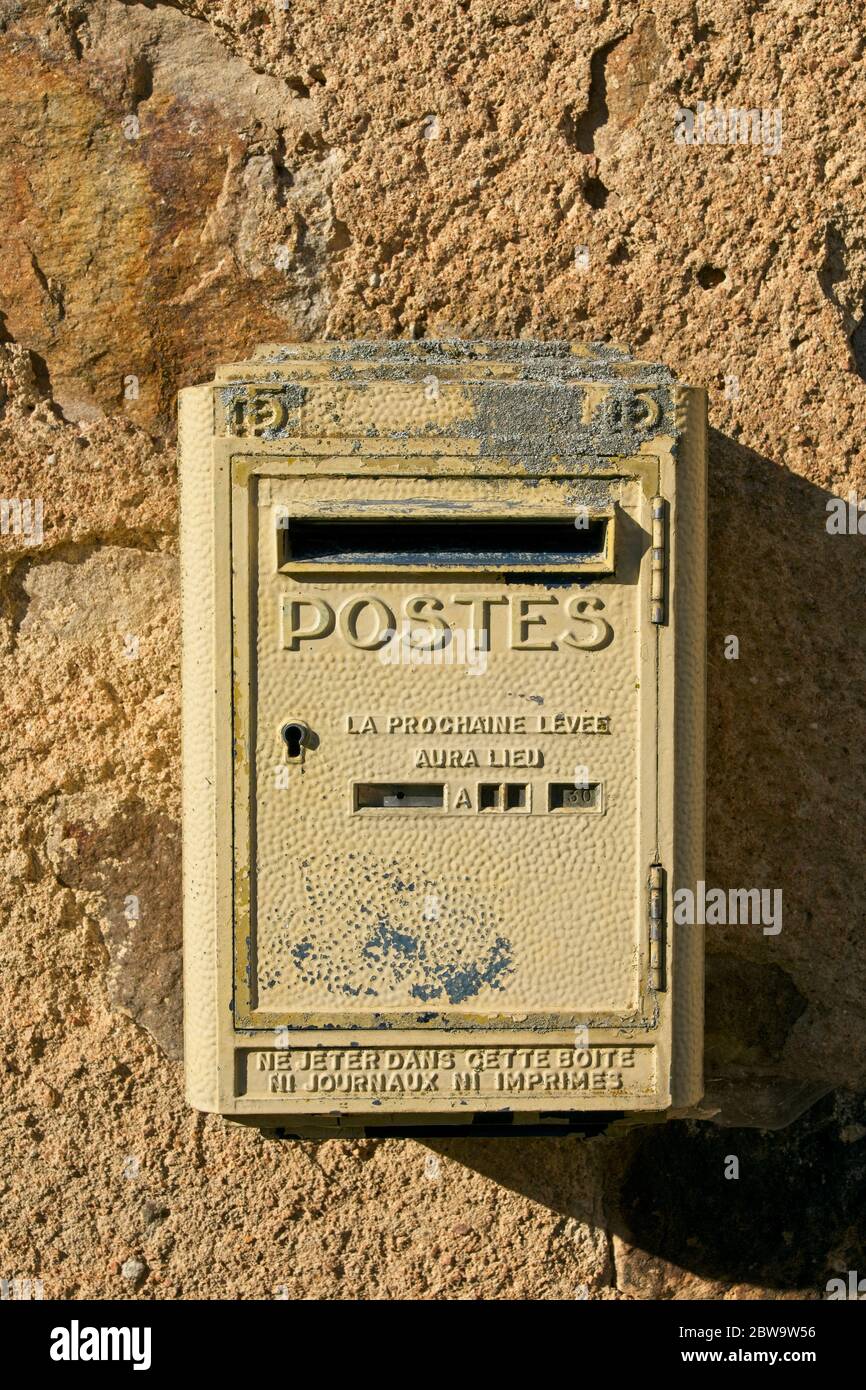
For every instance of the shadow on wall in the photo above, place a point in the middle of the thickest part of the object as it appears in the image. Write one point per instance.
(694, 1208)
(785, 807)
(785, 791)
(784, 1210)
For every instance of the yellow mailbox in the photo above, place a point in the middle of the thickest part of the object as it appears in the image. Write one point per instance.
(443, 723)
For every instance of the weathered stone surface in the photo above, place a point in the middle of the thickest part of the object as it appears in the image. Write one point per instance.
(183, 181)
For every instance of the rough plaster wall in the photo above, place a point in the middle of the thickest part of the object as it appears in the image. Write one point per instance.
(182, 182)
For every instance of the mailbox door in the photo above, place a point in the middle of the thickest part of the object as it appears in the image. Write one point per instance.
(445, 772)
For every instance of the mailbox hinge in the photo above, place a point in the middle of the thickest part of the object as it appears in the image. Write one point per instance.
(656, 890)
(659, 561)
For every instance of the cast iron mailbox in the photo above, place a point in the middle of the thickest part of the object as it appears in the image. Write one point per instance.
(443, 735)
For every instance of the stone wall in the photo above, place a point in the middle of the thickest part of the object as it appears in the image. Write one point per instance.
(182, 182)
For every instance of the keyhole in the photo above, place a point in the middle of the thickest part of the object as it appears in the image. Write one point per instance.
(295, 736)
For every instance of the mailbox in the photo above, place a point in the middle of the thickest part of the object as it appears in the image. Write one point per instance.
(443, 730)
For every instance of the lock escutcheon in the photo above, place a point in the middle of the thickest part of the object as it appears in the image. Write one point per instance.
(296, 736)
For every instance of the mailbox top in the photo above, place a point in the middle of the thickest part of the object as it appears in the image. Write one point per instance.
(411, 348)
(539, 401)
(480, 358)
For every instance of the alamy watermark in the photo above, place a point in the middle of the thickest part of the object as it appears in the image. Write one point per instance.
(736, 907)
(733, 125)
(414, 646)
(77, 1343)
(850, 1288)
(21, 1290)
(22, 516)
(846, 516)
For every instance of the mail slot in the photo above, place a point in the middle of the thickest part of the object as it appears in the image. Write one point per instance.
(443, 732)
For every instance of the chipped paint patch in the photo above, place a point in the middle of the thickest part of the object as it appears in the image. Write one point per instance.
(388, 947)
